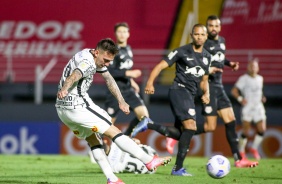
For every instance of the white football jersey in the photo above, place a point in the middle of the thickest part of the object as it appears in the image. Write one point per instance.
(251, 88)
(84, 62)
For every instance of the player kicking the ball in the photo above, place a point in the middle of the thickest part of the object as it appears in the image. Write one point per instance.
(87, 120)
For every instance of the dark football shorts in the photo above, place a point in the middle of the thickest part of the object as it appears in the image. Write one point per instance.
(131, 98)
(182, 104)
(218, 100)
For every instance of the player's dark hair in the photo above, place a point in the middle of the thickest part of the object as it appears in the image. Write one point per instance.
(107, 45)
(198, 25)
(212, 17)
(121, 24)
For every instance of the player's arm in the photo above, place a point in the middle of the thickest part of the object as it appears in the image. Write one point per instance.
(116, 72)
(232, 64)
(70, 80)
(204, 85)
(134, 85)
(235, 92)
(113, 87)
(149, 89)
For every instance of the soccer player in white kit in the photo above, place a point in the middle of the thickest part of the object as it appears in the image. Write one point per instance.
(248, 91)
(87, 120)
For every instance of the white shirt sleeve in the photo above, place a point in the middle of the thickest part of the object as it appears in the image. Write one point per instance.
(240, 83)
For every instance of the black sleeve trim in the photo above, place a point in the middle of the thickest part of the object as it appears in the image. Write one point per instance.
(102, 71)
(227, 62)
(80, 71)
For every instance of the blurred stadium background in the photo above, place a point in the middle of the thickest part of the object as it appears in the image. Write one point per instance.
(37, 38)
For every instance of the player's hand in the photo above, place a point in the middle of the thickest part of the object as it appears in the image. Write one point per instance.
(62, 93)
(213, 70)
(206, 98)
(149, 89)
(124, 107)
(234, 65)
(133, 73)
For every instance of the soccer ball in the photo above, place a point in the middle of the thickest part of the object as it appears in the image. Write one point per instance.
(218, 166)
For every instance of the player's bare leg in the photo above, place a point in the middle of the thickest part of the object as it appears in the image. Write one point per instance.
(210, 124)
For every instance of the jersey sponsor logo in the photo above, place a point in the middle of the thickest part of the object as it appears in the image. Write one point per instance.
(192, 112)
(205, 60)
(197, 71)
(83, 65)
(190, 59)
(222, 46)
(172, 54)
(94, 129)
(218, 57)
(127, 64)
(208, 109)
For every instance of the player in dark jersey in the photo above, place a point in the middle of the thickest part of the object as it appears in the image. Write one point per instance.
(219, 101)
(220, 104)
(121, 70)
(192, 63)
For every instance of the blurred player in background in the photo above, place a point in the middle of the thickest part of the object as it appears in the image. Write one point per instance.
(124, 75)
(219, 104)
(192, 68)
(87, 120)
(248, 91)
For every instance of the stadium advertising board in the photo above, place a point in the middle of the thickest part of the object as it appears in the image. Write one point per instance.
(29, 138)
(202, 145)
(56, 138)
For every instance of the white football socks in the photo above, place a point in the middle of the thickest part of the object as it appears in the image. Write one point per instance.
(101, 159)
(128, 145)
(258, 139)
(242, 144)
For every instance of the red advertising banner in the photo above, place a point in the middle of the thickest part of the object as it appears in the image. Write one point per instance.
(34, 32)
(63, 27)
(252, 24)
(202, 145)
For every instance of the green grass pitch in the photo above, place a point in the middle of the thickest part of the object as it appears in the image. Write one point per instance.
(65, 169)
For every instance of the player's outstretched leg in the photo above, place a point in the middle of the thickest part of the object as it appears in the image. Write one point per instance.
(115, 182)
(156, 162)
(141, 126)
(128, 145)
